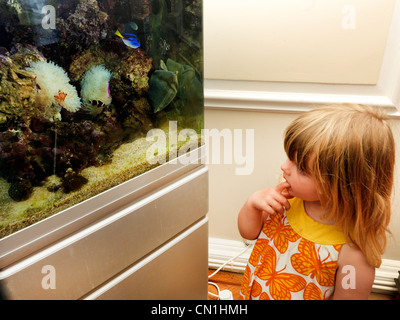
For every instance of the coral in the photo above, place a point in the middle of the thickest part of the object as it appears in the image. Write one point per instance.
(18, 164)
(95, 87)
(17, 96)
(75, 148)
(129, 83)
(84, 61)
(35, 148)
(110, 55)
(88, 24)
(24, 55)
(52, 80)
(131, 75)
(18, 91)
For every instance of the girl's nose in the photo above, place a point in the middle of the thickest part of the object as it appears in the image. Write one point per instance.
(285, 167)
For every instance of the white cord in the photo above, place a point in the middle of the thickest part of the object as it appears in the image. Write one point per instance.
(214, 273)
(231, 259)
(215, 285)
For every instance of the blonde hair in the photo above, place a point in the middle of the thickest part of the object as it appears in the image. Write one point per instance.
(349, 150)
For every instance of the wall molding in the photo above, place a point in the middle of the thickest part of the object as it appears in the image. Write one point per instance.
(284, 101)
(222, 250)
(300, 97)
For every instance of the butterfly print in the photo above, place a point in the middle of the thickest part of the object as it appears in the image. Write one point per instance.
(279, 232)
(313, 292)
(280, 284)
(308, 262)
(257, 251)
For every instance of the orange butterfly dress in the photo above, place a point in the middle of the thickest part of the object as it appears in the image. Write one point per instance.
(294, 257)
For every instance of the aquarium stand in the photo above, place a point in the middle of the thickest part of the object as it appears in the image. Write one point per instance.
(146, 238)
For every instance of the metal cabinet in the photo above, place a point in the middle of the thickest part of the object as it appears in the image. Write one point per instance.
(146, 238)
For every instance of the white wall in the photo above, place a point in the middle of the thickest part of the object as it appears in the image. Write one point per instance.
(238, 38)
(326, 41)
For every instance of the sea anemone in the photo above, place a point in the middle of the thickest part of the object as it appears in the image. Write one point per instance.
(53, 86)
(95, 87)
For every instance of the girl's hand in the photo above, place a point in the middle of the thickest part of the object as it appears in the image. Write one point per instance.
(261, 204)
(272, 200)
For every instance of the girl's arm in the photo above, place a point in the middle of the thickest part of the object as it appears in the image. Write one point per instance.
(354, 276)
(258, 206)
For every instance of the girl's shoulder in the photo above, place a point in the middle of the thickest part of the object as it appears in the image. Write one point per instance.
(354, 276)
(351, 255)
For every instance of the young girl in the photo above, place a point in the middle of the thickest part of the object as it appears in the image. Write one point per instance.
(322, 231)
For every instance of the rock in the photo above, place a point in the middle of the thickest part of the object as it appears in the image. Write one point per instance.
(136, 115)
(130, 78)
(88, 23)
(73, 182)
(18, 91)
(20, 190)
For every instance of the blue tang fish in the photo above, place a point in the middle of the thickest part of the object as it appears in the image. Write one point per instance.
(129, 39)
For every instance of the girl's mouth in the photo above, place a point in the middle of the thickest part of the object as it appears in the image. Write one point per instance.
(284, 179)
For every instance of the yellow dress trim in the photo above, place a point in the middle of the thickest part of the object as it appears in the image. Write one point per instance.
(310, 229)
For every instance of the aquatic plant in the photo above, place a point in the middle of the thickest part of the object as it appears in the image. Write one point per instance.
(95, 88)
(163, 89)
(190, 88)
(16, 5)
(52, 80)
(175, 80)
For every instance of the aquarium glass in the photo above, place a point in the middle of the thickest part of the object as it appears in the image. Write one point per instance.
(93, 93)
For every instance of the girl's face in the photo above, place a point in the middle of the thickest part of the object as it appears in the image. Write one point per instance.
(302, 185)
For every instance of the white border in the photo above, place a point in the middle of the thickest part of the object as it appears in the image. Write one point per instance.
(300, 97)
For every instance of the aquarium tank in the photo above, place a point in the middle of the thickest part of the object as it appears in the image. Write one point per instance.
(93, 93)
